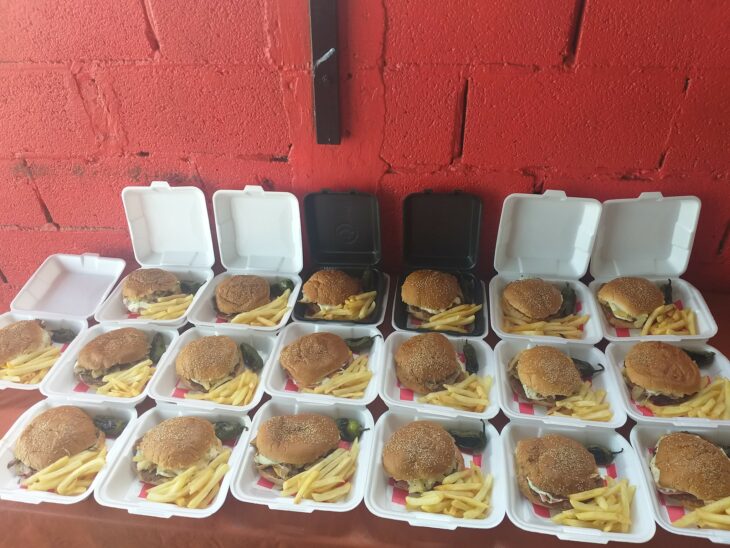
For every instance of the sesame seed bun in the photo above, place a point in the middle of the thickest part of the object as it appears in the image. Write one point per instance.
(425, 363)
(178, 442)
(146, 283)
(693, 465)
(22, 337)
(635, 296)
(532, 299)
(556, 465)
(297, 439)
(421, 450)
(208, 359)
(548, 371)
(241, 294)
(430, 289)
(55, 433)
(330, 287)
(662, 368)
(119, 347)
(311, 358)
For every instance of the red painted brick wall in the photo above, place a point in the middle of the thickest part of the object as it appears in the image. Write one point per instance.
(603, 98)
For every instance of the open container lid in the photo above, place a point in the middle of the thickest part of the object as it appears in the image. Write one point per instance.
(648, 235)
(546, 234)
(258, 230)
(441, 230)
(343, 228)
(168, 225)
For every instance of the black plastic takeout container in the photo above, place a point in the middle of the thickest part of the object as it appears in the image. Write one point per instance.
(343, 230)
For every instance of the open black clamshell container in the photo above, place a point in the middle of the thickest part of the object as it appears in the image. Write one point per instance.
(343, 229)
(441, 232)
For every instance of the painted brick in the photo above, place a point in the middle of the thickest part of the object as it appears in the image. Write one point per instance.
(42, 113)
(672, 33)
(57, 30)
(7, 294)
(478, 31)
(184, 109)
(225, 173)
(19, 204)
(590, 118)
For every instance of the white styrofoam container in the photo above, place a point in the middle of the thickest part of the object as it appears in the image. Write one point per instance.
(62, 382)
(615, 354)
(246, 486)
(650, 236)
(626, 465)
(385, 502)
(549, 236)
(644, 439)
(121, 487)
(521, 411)
(395, 396)
(9, 484)
(169, 229)
(163, 387)
(277, 383)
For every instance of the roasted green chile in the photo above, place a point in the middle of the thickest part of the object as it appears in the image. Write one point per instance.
(111, 426)
(470, 440)
(602, 455)
(700, 357)
(361, 344)
(470, 357)
(251, 358)
(278, 288)
(587, 370)
(62, 336)
(368, 280)
(190, 287)
(157, 347)
(569, 300)
(228, 430)
(667, 291)
(350, 429)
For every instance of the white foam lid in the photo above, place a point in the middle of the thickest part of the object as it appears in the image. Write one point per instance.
(648, 235)
(546, 234)
(168, 225)
(258, 230)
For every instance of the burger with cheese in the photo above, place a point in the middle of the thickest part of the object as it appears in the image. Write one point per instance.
(311, 358)
(112, 351)
(532, 300)
(208, 362)
(425, 363)
(328, 289)
(241, 294)
(544, 375)
(144, 286)
(628, 301)
(430, 292)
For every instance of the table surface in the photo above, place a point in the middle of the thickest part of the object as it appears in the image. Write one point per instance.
(238, 523)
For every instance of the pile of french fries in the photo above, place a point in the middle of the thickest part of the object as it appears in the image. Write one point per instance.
(669, 320)
(69, 475)
(712, 402)
(456, 318)
(356, 307)
(237, 391)
(127, 383)
(607, 508)
(567, 327)
(195, 487)
(350, 382)
(30, 368)
(268, 315)
(715, 515)
(326, 481)
(464, 494)
(167, 308)
(587, 404)
(471, 394)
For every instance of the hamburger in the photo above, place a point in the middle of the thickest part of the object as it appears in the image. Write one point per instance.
(690, 469)
(553, 467)
(328, 289)
(241, 294)
(112, 351)
(208, 362)
(289, 444)
(430, 292)
(20, 338)
(311, 358)
(173, 446)
(419, 455)
(661, 373)
(55, 433)
(628, 301)
(544, 375)
(144, 286)
(532, 299)
(425, 363)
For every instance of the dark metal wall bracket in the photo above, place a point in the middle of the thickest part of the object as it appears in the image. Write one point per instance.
(325, 70)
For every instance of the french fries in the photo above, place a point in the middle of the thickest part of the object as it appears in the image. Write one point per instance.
(127, 383)
(68, 476)
(471, 394)
(457, 318)
(667, 319)
(567, 327)
(167, 308)
(356, 307)
(268, 315)
(465, 494)
(30, 368)
(606, 508)
(195, 487)
(715, 515)
(711, 402)
(350, 382)
(588, 405)
(237, 391)
(326, 481)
